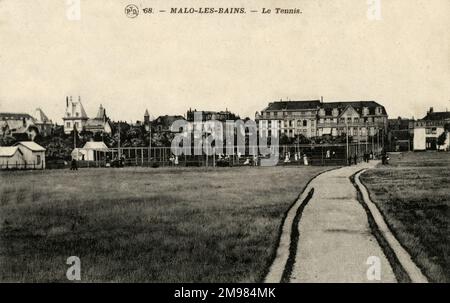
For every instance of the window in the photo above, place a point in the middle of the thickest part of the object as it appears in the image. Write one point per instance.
(356, 120)
(321, 120)
(68, 114)
(430, 131)
(349, 119)
(38, 160)
(68, 124)
(77, 114)
(305, 123)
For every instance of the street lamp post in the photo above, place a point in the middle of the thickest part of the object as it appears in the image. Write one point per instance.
(346, 138)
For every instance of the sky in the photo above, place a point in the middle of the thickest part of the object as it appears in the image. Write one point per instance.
(169, 63)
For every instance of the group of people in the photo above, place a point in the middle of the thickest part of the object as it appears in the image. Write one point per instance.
(297, 157)
(367, 156)
(173, 160)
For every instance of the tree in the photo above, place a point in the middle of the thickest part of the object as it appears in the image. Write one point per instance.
(441, 139)
(7, 140)
(301, 139)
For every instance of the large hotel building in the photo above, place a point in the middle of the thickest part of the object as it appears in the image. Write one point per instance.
(315, 118)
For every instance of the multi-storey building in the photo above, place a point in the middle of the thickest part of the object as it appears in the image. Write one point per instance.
(75, 117)
(359, 119)
(293, 117)
(400, 134)
(212, 115)
(315, 118)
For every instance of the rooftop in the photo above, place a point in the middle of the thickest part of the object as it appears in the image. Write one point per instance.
(30, 145)
(437, 116)
(96, 146)
(293, 105)
(316, 104)
(8, 151)
(14, 116)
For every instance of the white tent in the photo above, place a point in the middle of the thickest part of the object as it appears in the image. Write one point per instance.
(90, 151)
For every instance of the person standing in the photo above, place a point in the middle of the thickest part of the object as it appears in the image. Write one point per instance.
(74, 165)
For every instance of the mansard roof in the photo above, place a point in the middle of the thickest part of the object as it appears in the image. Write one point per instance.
(328, 106)
(293, 105)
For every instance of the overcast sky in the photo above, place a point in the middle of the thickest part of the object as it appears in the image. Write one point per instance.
(168, 63)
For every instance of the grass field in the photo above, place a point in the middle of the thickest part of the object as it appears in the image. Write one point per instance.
(152, 225)
(413, 194)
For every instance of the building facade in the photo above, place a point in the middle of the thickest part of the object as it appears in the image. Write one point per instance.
(19, 125)
(75, 117)
(400, 134)
(162, 124)
(429, 129)
(99, 124)
(23, 155)
(361, 120)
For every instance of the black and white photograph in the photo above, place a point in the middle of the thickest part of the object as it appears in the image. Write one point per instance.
(247, 144)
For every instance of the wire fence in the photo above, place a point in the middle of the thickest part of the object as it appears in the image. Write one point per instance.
(298, 154)
(15, 165)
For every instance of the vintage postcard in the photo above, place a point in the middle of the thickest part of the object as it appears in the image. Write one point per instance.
(236, 141)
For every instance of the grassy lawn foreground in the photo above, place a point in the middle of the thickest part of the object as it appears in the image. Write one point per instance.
(413, 194)
(152, 225)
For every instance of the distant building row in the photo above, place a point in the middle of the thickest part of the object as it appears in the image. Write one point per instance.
(361, 121)
(315, 118)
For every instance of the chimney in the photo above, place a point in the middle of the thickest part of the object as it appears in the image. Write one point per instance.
(431, 110)
(321, 99)
(67, 101)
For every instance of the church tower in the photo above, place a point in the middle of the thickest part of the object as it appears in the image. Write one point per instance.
(147, 120)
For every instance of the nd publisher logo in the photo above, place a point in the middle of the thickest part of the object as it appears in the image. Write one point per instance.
(131, 11)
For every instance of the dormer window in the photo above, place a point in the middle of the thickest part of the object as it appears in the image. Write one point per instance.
(365, 111)
(335, 112)
(322, 112)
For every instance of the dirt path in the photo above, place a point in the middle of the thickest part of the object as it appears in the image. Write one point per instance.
(335, 240)
(327, 238)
